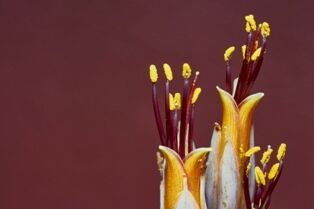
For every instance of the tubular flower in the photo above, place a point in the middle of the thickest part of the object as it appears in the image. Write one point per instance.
(225, 176)
(232, 179)
(182, 167)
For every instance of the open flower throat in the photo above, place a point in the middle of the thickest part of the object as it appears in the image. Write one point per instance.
(226, 175)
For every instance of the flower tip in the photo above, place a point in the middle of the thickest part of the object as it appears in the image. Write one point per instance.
(168, 72)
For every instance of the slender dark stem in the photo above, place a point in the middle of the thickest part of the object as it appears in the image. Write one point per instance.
(174, 120)
(246, 187)
(157, 115)
(167, 111)
(183, 118)
(228, 77)
(191, 128)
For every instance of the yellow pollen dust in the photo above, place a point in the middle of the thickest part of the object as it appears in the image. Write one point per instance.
(177, 99)
(265, 29)
(256, 54)
(172, 104)
(187, 71)
(228, 53)
(196, 94)
(153, 73)
(266, 156)
(252, 151)
(281, 151)
(243, 51)
(273, 171)
(248, 168)
(168, 72)
(259, 176)
(250, 23)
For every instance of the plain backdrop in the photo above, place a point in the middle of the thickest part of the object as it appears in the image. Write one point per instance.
(76, 121)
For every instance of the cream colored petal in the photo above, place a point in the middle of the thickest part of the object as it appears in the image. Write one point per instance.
(230, 118)
(230, 188)
(194, 164)
(211, 175)
(246, 111)
(174, 175)
(186, 199)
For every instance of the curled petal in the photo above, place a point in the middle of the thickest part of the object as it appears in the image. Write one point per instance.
(174, 176)
(246, 111)
(229, 118)
(194, 164)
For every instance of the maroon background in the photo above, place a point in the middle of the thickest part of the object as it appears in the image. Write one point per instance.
(76, 121)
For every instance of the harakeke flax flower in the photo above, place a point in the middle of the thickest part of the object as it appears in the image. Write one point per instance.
(182, 166)
(225, 176)
(233, 178)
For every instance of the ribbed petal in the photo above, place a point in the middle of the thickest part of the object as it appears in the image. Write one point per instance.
(174, 175)
(194, 164)
(230, 183)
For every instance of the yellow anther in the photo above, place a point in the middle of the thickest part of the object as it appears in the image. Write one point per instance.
(252, 151)
(281, 151)
(259, 176)
(248, 168)
(265, 29)
(243, 51)
(172, 104)
(177, 99)
(266, 156)
(168, 72)
(153, 73)
(228, 53)
(250, 23)
(256, 54)
(196, 94)
(273, 171)
(187, 71)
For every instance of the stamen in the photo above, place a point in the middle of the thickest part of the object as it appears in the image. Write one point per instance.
(228, 53)
(256, 54)
(172, 105)
(266, 156)
(153, 73)
(259, 176)
(281, 151)
(177, 99)
(252, 151)
(153, 77)
(168, 72)
(265, 29)
(187, 71)
(196, 94)
(273, 171)
(250, 23)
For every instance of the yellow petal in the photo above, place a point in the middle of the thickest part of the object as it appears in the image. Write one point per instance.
(194, 164)
(229, 126)
(174, 175)
(246, 111)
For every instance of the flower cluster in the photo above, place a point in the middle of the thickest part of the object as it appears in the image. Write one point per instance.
(226, 175)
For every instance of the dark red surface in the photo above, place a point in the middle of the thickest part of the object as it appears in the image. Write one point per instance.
(76, 121)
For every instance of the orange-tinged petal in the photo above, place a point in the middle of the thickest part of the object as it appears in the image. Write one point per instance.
(230, 116)
(194, 164)
(174, 175)
(246, 111)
